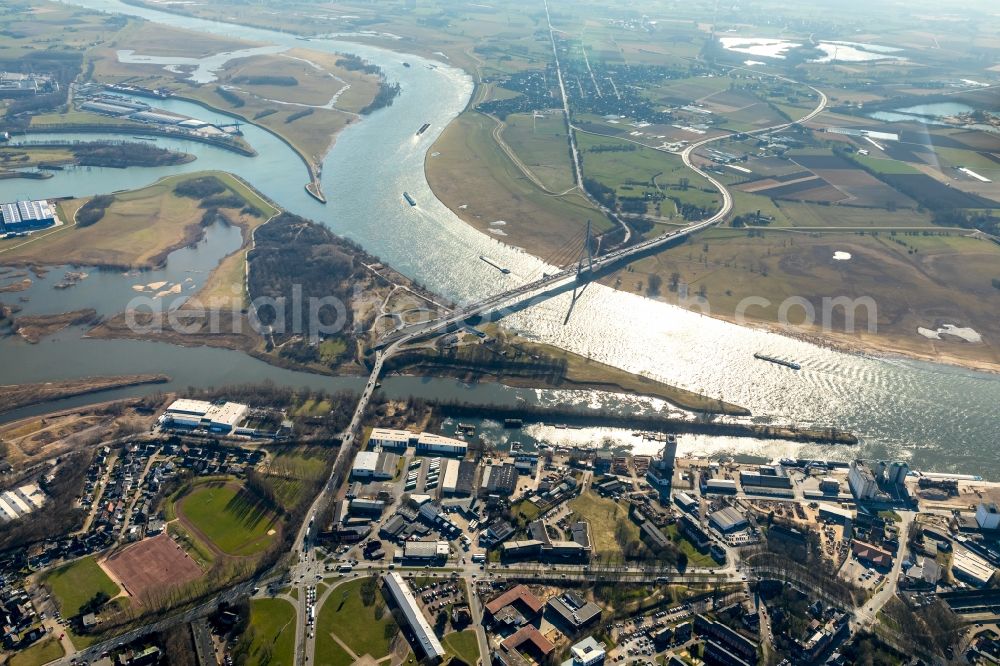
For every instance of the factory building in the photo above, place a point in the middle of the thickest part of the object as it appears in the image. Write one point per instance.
(221, 418)
(19, 502)
(728, 519)
(721, 486)
(404, 599)
(449, 486)
(861, 479)
(459, 478)
(835, 514)
(829, 485)
(366, 506)
(106, 108)
(767, 476)
(386, 438)
(16, 84)
(374, 465)
(499, 480)
(686, 502)
(426, 550)
(971, 568)
(22, 216)
(156, 117)
(431, 444)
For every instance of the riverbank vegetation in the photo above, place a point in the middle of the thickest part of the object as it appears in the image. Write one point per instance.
(117, 155)
(35, 327)
(509, 360)
(21, 395)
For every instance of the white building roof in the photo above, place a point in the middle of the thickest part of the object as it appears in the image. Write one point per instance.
(971, 565)
(230, 413)
(366, 461)
(431, 439)
(450, 483)
(835, 510)
(390, 435)
(426, 549)
(186, 406)
(422, 631)
(7, 512)
(586, 652)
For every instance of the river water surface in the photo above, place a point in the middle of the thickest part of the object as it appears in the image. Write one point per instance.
(935, 416)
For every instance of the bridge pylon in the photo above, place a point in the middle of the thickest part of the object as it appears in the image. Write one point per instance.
(587, 253)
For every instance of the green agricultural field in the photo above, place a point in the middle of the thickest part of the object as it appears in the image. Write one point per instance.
(981, 164)
(229, 517)
(631, 172)
(540, 142)
(270, 637)
(345, 614)
(691, 89)
(882, 165)
(75, 584)
(802, 214)
(604, 516)
(463, 644)
(40, 653)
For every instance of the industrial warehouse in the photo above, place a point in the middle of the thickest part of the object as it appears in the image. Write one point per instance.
(126, 108)
(222, 418)
(21, 217)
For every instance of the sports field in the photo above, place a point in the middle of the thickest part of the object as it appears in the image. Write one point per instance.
(228, 517)
(75, 584)
(152, 566)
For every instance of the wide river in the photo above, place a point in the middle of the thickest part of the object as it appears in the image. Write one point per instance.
(937, 417)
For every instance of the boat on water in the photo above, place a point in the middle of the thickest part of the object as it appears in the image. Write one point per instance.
(410, 200)
(144, 138)
(494, 264)
(423, 128)
(777, 361)
(406, 64)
